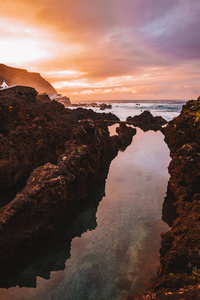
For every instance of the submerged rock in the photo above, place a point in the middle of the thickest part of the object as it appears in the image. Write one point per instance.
(146, 121)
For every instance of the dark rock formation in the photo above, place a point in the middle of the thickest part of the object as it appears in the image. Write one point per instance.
(146, 121)
(125, 135)
(50, 254)
(179, 273)
(15, 76)
(31, 134)
(59, 155)
(19, 93)
(180, 252)
(82, 114)
(104, 106)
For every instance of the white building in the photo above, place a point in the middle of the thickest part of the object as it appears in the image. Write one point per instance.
(4, 85)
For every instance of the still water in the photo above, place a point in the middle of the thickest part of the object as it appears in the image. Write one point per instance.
(120, 253)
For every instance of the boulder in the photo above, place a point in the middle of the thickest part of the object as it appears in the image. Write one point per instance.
(146, 121)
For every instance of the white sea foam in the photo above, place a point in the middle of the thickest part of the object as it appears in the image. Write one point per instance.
(167, 109)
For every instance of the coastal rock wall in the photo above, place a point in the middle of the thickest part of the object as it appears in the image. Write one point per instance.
(31, 134)
(180, 252)
(54, 190)
(179, 273)
(59, 155)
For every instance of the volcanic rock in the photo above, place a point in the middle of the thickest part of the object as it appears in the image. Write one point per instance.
(146, 121)
(60, 157)
(180, 251)
(83, 114)
(179, 274)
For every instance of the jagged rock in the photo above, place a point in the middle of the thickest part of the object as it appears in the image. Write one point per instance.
(180, 251)
(32, 133)
(82, 114)
(146, 121)
(59, 156)
(125, 135)
(179, 273)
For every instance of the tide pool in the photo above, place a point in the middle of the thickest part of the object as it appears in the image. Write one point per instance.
(119, 253)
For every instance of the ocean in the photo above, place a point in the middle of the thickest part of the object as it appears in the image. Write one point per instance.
(117, 249)
(168, 109)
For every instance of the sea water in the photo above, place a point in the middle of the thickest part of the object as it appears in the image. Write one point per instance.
(120, 253)
(168, 109)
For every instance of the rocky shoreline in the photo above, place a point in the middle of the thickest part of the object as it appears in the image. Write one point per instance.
(179, 273)
(52, 158)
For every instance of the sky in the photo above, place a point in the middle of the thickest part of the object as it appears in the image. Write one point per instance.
(106, 49)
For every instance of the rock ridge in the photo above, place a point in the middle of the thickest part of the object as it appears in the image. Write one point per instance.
(60, 158)
(179, 273)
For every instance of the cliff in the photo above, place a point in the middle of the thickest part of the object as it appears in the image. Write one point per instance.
(15, 76)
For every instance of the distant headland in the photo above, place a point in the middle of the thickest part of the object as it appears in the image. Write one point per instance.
(14, 76)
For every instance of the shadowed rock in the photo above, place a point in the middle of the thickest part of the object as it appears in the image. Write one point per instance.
(180, 251)
(60, 159)
(82, 114)
(146, 121)
(50, 254)
(179, 272)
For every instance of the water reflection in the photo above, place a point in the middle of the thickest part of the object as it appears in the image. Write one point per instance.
(51, 253)
(121, 255)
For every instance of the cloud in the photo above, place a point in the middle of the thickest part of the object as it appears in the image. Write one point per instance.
(101, 46)
(176, 32)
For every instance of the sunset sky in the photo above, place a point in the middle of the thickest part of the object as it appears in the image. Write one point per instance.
(106, 49)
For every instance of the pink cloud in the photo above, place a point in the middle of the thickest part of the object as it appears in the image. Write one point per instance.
(155, 43)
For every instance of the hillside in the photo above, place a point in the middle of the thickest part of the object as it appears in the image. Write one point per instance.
(15, 76)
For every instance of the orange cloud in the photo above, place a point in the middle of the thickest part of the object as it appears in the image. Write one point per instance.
(105, 48)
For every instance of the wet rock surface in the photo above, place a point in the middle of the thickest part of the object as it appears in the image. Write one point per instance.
(179, 273)
(146, 121)
(59, 155)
